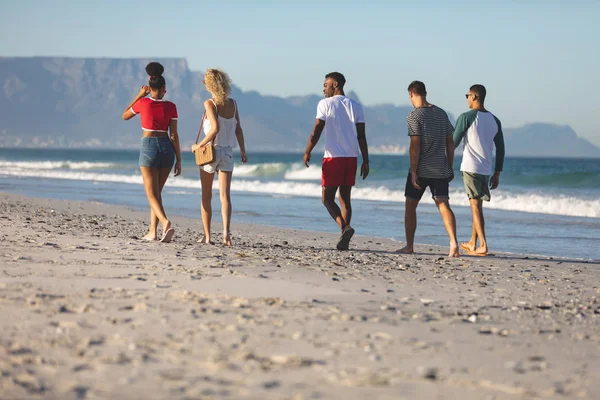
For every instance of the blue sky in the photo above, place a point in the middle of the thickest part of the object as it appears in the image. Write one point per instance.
(538, 59)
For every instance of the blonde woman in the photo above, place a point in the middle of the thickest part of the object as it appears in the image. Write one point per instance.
(222, 127)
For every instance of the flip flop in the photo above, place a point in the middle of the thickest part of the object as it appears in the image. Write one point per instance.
(168, 236)
(344, 241)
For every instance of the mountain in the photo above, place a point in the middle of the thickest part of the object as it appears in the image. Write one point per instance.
(547, 140)
(78, 102)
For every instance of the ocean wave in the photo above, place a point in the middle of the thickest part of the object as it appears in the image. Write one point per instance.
(299, 172)
(54, 165)
(524, 201)
(261, 170)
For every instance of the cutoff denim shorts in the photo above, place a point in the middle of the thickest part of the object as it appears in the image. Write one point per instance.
(156, 152)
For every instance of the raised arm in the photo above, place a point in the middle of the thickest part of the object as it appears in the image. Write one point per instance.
(128, 113)
(313, 139)
(239, 134)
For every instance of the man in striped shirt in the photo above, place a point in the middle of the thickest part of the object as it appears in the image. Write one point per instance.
(431, 159)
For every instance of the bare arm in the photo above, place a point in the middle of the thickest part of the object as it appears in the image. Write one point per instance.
(314, 139)
(176, 146)
(364, 149)
(239, 134)
(450, 154)
(214, 123)
(415, 151)
(128, 114)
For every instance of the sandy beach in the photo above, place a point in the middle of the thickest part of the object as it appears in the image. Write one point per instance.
(88, 310)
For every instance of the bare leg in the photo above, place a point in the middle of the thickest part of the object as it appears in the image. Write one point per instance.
(478, 226)
(151, 177)
(410, 225)
(152, 232)
(328, 198)
(450, 224)
(163, 175)
(225, 194)
(206, 180)
(344, 198)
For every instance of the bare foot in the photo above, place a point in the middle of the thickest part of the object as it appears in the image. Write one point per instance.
(480, 251)
(227, 239)
(205, 240)
(406, 250)
(453, 251)
(468, 247)
(149, 236)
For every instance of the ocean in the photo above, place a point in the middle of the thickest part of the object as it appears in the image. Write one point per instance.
(544, 206)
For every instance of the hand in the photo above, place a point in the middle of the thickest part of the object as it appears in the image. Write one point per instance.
(244, 157)
(364, 170)
(415, 180)
(195, 147)
(306, 159)
(451, 178)
(494, 181)
(144, 90)
(177, 168)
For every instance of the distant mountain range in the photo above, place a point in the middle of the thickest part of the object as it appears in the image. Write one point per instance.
(78, 102)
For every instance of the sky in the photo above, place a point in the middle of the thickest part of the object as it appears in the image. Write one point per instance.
(539, 60)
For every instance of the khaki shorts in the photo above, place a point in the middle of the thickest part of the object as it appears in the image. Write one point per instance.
(477, 186)
(223, 161)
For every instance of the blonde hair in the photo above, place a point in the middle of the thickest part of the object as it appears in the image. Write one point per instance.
(218, 84)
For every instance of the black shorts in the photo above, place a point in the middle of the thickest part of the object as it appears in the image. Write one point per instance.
(438, 187)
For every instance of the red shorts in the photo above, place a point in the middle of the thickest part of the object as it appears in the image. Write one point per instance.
(339, 171)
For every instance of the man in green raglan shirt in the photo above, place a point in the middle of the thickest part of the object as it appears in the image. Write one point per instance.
(481, 132)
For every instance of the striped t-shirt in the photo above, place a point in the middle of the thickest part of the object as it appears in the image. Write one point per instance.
(433, 126)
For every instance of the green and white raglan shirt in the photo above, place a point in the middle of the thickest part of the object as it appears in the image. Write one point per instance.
(481, 132)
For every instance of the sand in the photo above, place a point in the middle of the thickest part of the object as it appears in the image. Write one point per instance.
(90, 311)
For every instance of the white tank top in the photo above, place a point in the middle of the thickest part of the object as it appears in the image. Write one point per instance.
(226, 136)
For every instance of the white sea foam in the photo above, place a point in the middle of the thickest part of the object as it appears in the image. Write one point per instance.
(531, 202)
(53, 165)
(300, 173)
(266, 169)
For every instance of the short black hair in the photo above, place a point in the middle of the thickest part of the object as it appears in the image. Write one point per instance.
(418, 88)
(339, 78)
(155, 71)
(479, 91)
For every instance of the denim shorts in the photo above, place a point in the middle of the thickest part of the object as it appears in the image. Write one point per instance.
(156, 152)
(223, 161)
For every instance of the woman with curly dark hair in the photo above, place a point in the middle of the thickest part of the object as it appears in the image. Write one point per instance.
(159, 146)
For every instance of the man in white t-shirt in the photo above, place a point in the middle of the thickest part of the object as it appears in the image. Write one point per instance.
(480, 131)
(341, 120)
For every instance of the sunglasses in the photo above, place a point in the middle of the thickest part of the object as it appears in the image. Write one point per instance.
(467, 96)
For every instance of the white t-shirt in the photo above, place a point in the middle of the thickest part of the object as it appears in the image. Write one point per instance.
(481, 132)
(341, 114)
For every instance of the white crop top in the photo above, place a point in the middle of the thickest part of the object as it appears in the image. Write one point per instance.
(226, 136)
